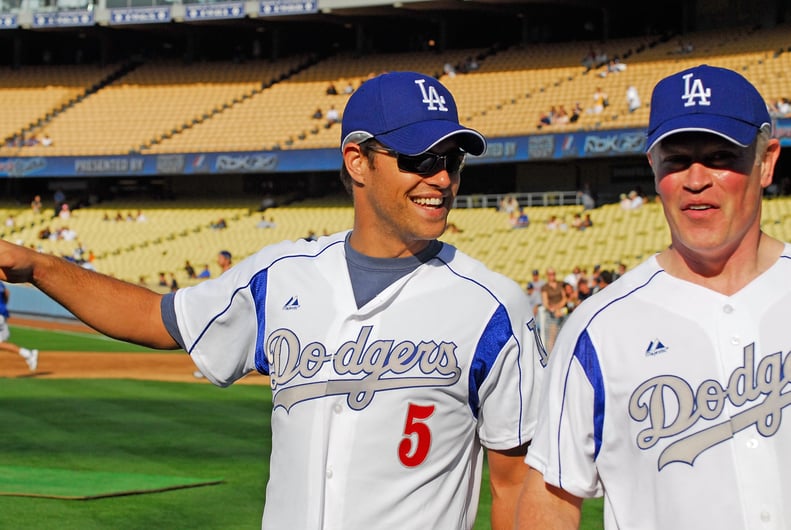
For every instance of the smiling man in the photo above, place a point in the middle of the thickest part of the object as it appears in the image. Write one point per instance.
(665, 392)
(394, 358)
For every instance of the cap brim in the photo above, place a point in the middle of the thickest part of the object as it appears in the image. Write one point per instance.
(419, 137)
(735, 131)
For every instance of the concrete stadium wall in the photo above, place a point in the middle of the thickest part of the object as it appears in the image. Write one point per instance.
(26, 300)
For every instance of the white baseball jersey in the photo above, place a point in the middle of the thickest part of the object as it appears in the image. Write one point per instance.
(379, 412)
(667, 398)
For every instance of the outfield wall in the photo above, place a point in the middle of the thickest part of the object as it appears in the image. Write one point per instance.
(26, 300)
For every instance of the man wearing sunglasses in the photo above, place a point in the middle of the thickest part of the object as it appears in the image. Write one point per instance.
(393, 358)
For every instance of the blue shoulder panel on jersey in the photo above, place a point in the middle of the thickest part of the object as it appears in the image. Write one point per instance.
(586, 354)
(258, 288)
(497, 333)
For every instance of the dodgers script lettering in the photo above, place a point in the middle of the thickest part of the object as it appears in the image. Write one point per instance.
(360, 368)
(650, 401)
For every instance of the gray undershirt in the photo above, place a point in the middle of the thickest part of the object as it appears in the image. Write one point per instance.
(370, 276)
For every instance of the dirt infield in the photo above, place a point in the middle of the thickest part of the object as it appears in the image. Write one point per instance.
(172, 366)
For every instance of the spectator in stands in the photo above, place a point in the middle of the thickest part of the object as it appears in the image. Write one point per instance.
(620, 270)
(589, 60)
(781, 108)
(332, 116)
(573, 277)
(163, 281)
(190, 270)
(632, 98)
(613, 66)
(576, 222)
(65, 233)
(470, 64)
(562, 115)
(267, 202)
(603, 280)
(35, 204)
(534, 297)
(349, 88)
(685, 47)
(576, 112)
(317, 114)
(583, 289)
(331, 90)
(266, 223)
(46, 141)
(509, 204)
(536, 279)
(140, 217)
(59, 198)
(224, 260)
(205, 273)
(173, 284)
(519, 219)
(636, 200)
(221, 224)
(595, 276)
(553, 299)
(65, 212)
(586, 198)
(572, 298)
(600, 100)
(587, 222)
(449, 70)
(544, 119)
(557, 223)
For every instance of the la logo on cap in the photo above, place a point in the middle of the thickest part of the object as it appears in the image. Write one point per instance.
(431, 97)
(695, 91)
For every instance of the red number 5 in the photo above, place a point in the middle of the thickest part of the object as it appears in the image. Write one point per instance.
(413, 450)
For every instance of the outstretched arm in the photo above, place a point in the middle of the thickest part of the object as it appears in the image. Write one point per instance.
(544, 506)
(507, 470)
(116, 308)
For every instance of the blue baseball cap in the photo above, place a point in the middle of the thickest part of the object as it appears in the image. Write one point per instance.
(707, 99)
(408, 112)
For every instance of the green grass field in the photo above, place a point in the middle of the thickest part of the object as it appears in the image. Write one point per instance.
(125, 426)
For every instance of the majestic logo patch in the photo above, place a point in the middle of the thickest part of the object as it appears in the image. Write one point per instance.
(431, 97)
(694, 93)
(655, 347)
(293, 303)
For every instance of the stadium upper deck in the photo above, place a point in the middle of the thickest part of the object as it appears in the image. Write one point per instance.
(230, 93)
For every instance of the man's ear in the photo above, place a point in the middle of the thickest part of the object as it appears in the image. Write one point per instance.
(356, 162)
(769, 161)
(650, 159)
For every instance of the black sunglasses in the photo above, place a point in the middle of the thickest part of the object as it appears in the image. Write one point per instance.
(425, 164)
